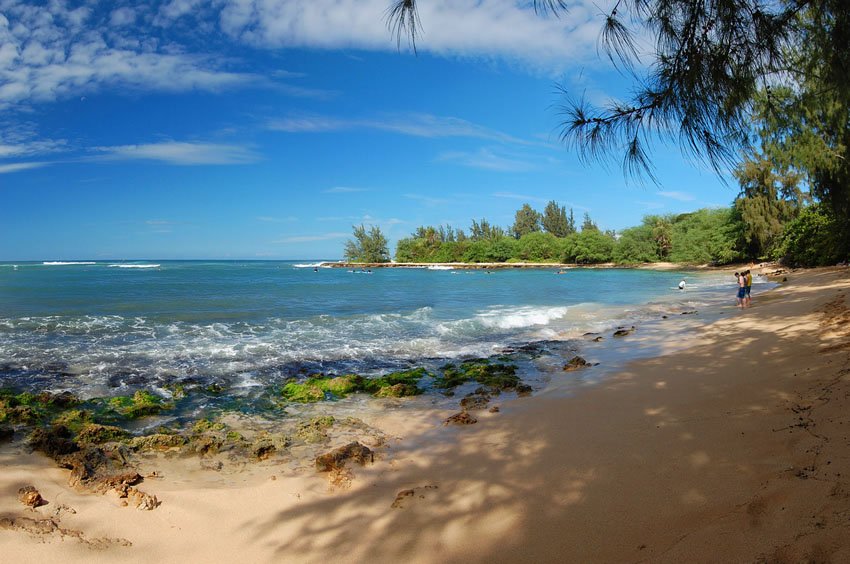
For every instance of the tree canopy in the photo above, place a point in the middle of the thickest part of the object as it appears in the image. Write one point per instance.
(367, 246)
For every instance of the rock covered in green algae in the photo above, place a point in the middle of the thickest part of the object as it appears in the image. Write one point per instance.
(157, 442)
(315, 430)
(319, 387)
(27, 408)
(94, 433)
(497, 375)
(141, 404)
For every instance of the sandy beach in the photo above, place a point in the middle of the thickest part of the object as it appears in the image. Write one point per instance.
(733, 448)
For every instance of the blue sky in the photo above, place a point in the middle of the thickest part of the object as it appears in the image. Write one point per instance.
(267, 128)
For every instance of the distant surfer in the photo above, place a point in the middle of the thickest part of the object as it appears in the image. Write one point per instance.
(682, 285)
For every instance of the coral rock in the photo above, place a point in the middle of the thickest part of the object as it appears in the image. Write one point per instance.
(30, 497)
(337, 458)
(462, 418)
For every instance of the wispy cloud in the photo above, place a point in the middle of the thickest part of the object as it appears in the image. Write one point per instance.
(181, 153)
(680, 196)
(522, 197)
(416, 125)
(312, 238)
(486, 159)
(17, 167)
(343, 190)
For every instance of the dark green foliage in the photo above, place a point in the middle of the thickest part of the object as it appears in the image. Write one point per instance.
(769, 199)
(636, 245)
(555, 220)
(705, 237)
(810, 239)
(588, 224)
(591, 246)
(539, 247)
(366, 246)
(495, 374)
(526, 221)
(485, 232)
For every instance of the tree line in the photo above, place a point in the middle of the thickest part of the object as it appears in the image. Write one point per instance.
(772, 218)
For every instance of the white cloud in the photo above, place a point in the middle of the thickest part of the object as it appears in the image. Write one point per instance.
(17, 167)
(416, 125)
(680, 196)
(490, 28)
(523, 197)
(181, 153)
(50, 52)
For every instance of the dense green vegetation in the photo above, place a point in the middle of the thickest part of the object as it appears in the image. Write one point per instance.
(704, 236)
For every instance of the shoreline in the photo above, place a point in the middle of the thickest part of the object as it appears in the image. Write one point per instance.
(660, 266)
(727, 438)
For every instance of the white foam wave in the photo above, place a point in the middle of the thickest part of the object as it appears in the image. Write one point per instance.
(134, 266)
(309, 265)
(65, 263)
(441, 267)
(519, 317)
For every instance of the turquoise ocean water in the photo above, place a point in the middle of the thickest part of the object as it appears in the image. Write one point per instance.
(107, 328)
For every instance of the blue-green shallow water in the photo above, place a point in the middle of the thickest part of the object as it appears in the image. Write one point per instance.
(101, 329)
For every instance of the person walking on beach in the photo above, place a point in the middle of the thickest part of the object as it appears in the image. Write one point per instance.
(748, 285)
(742, 292)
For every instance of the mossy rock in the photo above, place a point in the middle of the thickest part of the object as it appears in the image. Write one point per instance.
(397, 384)
(319, 387)
(497, 375)
(315, 430)
(74, 419)
(141, 404)
(205, 426)
(94, 433)
(265, 446)
(157, 442)
(398, 391)
(206, 444)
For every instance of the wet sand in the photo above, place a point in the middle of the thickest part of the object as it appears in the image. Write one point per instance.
(735, 447)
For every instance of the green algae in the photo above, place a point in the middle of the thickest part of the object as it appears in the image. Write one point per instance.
(94, 433)
(315, 430)
(319, 387)
(498, 375)
(140, 404)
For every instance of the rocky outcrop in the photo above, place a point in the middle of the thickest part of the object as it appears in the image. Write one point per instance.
(339, 457)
